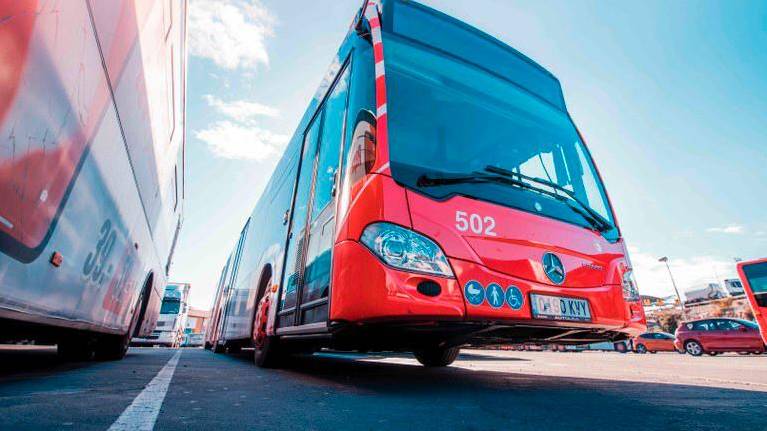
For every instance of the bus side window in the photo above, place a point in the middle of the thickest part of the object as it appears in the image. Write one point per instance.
(330, 144)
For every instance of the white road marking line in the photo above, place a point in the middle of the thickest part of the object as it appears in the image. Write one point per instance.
(143, 411)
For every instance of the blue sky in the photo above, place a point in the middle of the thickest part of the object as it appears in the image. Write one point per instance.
(671, 98)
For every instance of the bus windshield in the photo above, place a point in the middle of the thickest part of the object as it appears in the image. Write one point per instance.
(757, 277)
(170, 306)
(448, 117)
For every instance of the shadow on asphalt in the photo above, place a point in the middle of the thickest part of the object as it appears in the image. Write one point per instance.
(19, 362)
(16, 361)
(524, 399)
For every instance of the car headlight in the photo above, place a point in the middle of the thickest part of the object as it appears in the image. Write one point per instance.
(404, 249)
(630, 291)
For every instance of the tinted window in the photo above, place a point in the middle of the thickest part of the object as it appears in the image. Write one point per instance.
(704, 325)
(727, 325)
(170, 306)
(749, 324)
(447, 119)
(757, 276)
(330, 144)
(471, 45)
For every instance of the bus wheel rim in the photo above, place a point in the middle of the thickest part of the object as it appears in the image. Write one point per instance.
(260, 331)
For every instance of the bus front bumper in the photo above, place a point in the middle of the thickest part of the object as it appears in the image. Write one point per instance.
(366, 291)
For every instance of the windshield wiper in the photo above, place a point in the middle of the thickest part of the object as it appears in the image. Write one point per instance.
(427, 181)
(594, 218)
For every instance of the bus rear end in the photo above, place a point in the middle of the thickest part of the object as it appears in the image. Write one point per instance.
(753, 274)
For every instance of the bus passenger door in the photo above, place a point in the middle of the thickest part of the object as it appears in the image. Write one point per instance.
(753, 275)
(292, 275)
(316, 283)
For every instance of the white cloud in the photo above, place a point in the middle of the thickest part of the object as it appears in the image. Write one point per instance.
(730, 229)
(241, 110)
(231, 33)
(653, 277)
(236, 141)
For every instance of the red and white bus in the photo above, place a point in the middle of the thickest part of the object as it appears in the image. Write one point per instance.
(753, 274)
(435, 194)
(91, 168)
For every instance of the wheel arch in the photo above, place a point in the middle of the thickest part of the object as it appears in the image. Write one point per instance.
(263, 283)
(146, 292)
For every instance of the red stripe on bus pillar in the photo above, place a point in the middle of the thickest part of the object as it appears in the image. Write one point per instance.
(380, 91)
(378, 52)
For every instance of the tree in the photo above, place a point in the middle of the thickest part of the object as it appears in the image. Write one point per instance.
(669, 320)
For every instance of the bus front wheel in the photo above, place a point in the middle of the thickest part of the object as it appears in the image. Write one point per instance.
(266, 347)
(437, 356)
(268, 353)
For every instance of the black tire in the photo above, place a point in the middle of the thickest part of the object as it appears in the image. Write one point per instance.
(115, 347)
(219, 348)
(270, 354)
(641, 349)
(437, 356)
(693, 348)
(621, 347)
(75, 348)
(112, 347)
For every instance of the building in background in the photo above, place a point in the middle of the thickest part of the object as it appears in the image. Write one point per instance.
(196, 323)
(172, 320)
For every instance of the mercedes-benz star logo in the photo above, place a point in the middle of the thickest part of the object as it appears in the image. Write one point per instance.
(553, 268)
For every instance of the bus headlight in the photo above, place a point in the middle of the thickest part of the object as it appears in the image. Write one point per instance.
(630, 291)
(404, 249)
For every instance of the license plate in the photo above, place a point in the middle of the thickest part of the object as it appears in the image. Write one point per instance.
(560, 308)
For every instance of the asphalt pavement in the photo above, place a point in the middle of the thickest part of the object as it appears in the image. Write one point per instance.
(483, 390)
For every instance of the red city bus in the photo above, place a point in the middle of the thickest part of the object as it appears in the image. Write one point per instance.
(435, 194)
(92, 97)
(753, 274)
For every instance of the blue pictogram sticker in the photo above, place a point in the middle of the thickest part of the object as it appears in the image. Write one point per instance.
(474, 292)
(514, 297)
(494, 295)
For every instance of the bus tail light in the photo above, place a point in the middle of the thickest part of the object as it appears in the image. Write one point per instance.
(405, 249)
(630, 291)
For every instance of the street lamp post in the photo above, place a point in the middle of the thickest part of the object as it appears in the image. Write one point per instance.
(664, 259)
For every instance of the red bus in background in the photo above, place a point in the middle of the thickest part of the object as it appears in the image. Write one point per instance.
(91, 168)
(435, 194)
(753, 274)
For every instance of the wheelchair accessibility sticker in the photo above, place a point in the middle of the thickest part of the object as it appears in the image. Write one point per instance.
(514, 298)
